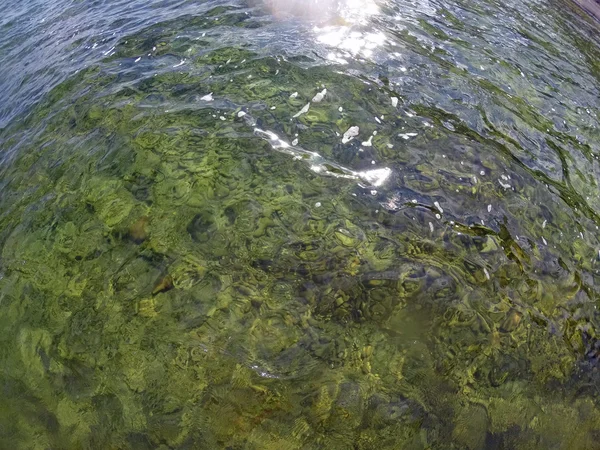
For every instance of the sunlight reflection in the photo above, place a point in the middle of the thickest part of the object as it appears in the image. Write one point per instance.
(376, 177)
(340, 24)
(318, 164)
(353, 42)
(345, 11)
(357, 11)
(344, 35)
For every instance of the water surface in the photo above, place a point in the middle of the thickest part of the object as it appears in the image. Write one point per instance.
(232, 225)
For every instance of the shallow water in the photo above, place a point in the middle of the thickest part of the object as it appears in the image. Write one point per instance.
(200, 250)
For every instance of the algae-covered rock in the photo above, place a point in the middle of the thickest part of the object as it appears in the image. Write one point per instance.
(109, 199)
(471, 427)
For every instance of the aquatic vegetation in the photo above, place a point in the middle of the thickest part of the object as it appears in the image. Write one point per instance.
(170, 278)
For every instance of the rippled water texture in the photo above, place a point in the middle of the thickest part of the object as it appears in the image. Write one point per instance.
(299, 225)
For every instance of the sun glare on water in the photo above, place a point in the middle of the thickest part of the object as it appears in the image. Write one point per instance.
(340, 24)
(350, 36)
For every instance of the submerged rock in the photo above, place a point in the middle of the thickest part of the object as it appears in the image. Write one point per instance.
(164, 284)
(138, 230)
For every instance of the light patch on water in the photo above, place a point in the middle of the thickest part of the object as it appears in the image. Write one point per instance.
(356, 11)
(304, 110)
(345, 14)
(350, 134)
(376, 177)
(337, 58)
(355, 43)
(263, 373)
(319, 96)
(320, 165)
(504, 185)
(324, 11)
(208, 98)
(368, 143)
(407, 135)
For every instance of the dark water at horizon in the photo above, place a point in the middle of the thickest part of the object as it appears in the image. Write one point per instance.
(366, 225)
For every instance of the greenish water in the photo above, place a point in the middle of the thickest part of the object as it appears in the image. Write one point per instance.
(190, 259)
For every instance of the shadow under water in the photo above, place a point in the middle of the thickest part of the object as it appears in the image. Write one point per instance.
(218, 236)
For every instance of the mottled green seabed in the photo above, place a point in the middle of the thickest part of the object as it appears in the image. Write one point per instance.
(170, 277)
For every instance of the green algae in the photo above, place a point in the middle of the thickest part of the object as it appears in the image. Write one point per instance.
(169, 280)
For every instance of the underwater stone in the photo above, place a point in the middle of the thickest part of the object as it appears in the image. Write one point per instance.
(137, 231)
(146, 308)
(163, 285)
(345, 238)
(202, 227)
